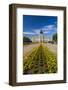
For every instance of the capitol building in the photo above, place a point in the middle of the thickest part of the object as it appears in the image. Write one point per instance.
(40, 37)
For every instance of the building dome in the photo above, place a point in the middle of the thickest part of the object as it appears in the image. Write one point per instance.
(41, 32)
(41, 36)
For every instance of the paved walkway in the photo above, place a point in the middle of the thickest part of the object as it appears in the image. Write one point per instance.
(52, 47)
(28, 48)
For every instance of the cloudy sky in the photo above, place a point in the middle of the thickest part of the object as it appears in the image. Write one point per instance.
(33, 24)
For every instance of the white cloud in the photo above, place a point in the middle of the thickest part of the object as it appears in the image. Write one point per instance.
(29, 33)
(49, 27)
(37, 31)
(46, 29)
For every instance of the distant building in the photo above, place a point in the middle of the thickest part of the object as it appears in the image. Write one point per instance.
(35, 38)
(41, 38)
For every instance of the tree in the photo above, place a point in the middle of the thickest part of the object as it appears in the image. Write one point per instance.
(26, 40)
(55, 37)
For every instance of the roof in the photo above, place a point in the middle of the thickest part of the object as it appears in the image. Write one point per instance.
(41, 32)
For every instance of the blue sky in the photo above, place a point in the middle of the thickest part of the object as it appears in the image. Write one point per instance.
(33, 24)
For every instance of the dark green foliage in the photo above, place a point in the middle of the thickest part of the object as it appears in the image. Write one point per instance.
(26, 40)
(55, 37)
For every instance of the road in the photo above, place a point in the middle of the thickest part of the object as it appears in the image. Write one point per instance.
(28, 48)
(52, 47)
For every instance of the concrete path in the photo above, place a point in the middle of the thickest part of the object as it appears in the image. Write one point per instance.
(28, 48)
(52, 47)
